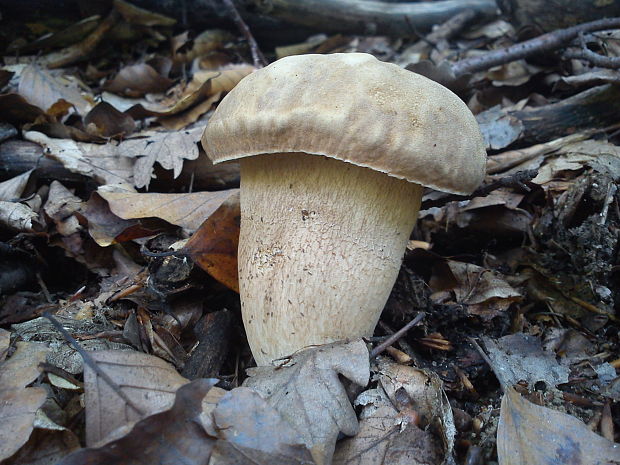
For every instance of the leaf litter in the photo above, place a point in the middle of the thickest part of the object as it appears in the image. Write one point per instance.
(132, 255)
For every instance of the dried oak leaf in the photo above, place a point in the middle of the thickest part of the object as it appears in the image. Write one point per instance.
(520, 357)
(104, 163)
(106, 228)
(169, 149)
(13, 188)
(42, 89)
(530, 434)
(17, 216)
(484, 291)
(308, 393)
(425, 390)
(45, 447)
(214, 245)
(252, 431)
(386, 437)
(106, 121)
(61, 206)
(137, 80)
(185, 210)
(18, 403)
(175, 436)
(135, 15)
(149, 382)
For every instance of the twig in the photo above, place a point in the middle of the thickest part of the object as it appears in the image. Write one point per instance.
(93, 364)
(257, 55)
(396, 336)
(517, 179)
(544, 43)
(588, 55)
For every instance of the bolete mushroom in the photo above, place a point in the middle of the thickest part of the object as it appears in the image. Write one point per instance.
(334, 153)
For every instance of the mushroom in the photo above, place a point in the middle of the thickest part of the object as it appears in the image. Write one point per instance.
(334, 153)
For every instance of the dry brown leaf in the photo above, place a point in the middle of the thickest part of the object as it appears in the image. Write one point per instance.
(425, 390)
(13, 188)
(186, 50)
(135, 15)
(45, 447)
(17, 216)
(5, 340)
(106, 228)
(529, 434)
(484, 291)
(308, 393)
(173, 437)
(169, 149)
(16, 109)
(178, 122)
(18, 404)
(103, 163)
(61, 206)
(185, 210)
(214, 245)
(252, 431)
(520, 357)
(137, 80)
(223, 80)
(148, 381)
(386, 438)
(40, 88)
(106, 121)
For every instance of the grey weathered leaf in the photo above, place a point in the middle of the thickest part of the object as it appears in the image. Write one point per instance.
(309, 395)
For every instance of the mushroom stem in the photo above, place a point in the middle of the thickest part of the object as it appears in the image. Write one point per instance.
(320, 248)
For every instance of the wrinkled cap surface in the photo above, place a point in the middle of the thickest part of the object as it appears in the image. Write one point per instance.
(355, 108)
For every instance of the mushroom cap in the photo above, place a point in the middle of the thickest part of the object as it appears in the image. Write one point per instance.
(355, 108)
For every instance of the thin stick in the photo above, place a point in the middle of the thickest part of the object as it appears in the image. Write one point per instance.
(544, 43)
(257, 55)
(596, 59)
(93, 364)
(396, 336)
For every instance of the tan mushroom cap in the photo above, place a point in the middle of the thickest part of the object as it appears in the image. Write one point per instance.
(355, 108)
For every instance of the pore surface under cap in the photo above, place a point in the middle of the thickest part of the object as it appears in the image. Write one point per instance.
(355, 108)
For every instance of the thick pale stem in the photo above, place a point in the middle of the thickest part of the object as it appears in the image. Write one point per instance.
(320, 248)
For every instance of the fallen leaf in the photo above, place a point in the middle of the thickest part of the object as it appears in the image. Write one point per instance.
(530, 434)
(135, 15)
(16, 109)
(106, 228)
(106, 121)
(185, 210)
(425, 390)
(213, 247)
(137, 80)
(484, 291)
(169, 149)
(186, 50)
(5, 341)
(308, 393)
(18, 403)
(498, 128)
(520, 357)
(148, 381)
(42, 89)
(45, 447)
(17, 216)
(386, 438)
(252, 431)
(104, 163)
(13, 188)
(178, 122)
(61, 206)
(223, 80)
(173, 437)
